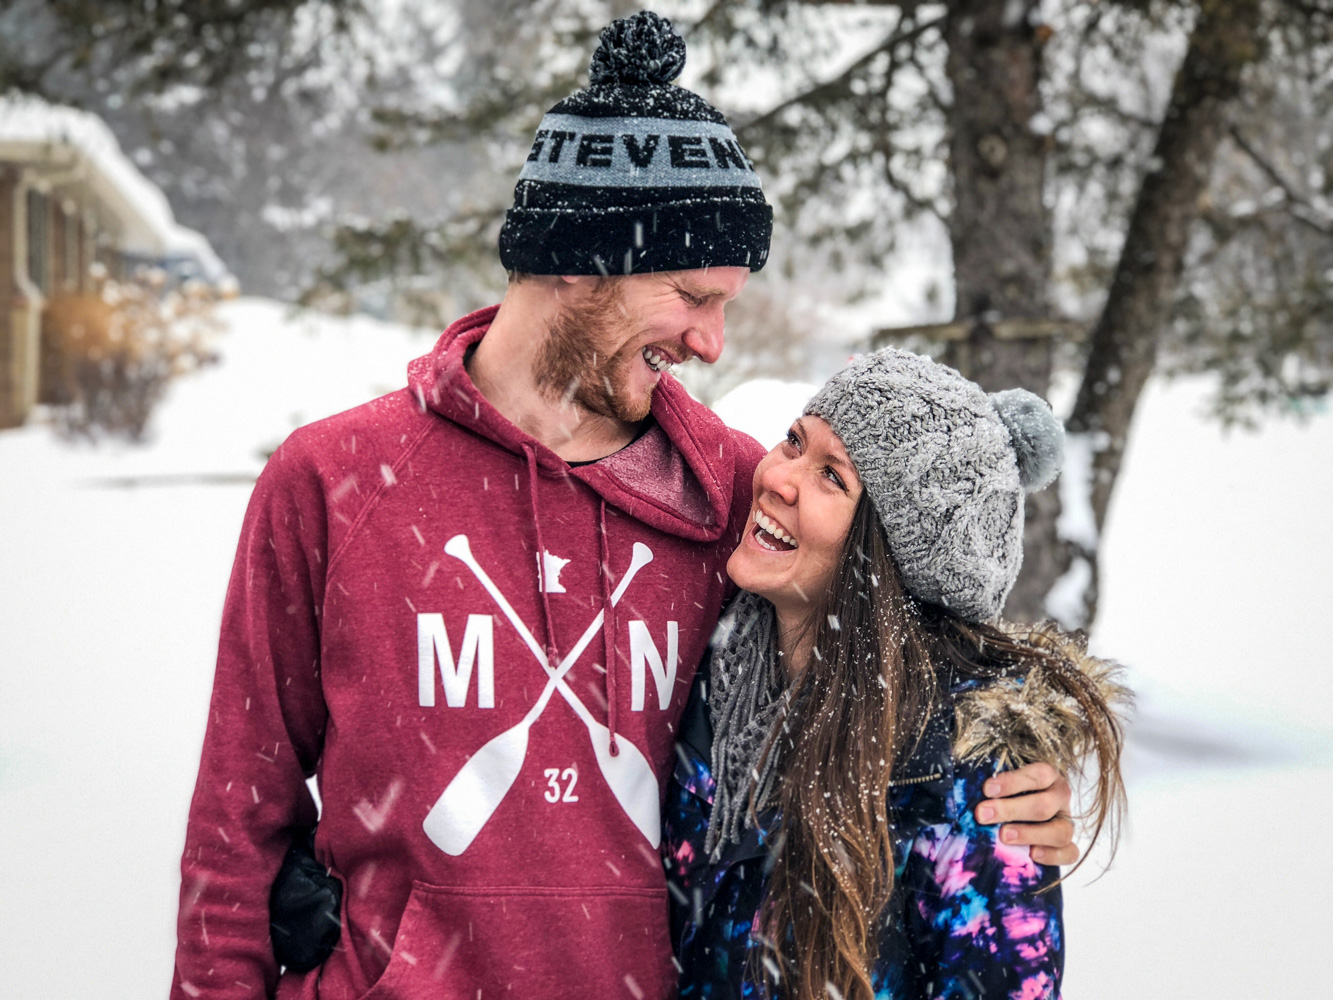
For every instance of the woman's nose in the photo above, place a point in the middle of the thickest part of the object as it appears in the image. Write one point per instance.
(779, 479)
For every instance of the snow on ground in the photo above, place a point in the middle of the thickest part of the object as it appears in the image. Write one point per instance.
(110, 600)
(115, 561)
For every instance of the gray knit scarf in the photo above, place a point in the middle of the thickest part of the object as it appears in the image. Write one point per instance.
(748, 700)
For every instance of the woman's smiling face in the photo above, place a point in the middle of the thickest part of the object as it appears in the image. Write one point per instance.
(805, 492)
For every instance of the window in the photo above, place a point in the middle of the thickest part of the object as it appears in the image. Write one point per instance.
(39, 218)
(73, 228)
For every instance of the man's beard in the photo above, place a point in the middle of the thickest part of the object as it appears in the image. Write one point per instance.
(573, 365)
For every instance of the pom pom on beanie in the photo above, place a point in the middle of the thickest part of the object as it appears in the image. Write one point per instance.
(1037, 437)
(642, 49)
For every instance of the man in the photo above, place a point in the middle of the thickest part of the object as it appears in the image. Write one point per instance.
(474, 606)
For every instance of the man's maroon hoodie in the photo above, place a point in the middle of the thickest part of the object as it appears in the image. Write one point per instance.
(406, 573)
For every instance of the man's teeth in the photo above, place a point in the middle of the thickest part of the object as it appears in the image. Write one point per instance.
(767, 524)
(655, 361)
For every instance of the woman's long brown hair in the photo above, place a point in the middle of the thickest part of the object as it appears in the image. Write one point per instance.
(880, 663)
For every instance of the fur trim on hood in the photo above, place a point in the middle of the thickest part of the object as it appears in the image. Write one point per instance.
(1034, 719)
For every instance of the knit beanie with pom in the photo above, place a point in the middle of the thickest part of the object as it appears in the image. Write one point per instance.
(946, 466)
(635, 174)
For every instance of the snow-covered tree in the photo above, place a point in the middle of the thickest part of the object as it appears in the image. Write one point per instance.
(253, 117)
(1124, 187)
(1095, 190)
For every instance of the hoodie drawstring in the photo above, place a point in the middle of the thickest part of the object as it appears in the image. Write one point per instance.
(603, 573)
(608, 633)
(552, 656)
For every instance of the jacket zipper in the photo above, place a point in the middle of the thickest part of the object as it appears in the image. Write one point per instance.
(917, 781)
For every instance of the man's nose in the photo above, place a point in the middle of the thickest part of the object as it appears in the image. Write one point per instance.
(707, 336)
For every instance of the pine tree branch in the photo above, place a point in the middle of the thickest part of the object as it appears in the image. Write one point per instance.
(841, 82)
(907, 6)
(1016, 328)
(158, 45)
(1300, 208)
(1109, 105)
(911, 197)
(1310, 9)
(707, 17)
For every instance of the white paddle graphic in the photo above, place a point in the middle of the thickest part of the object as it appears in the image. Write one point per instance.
(481, 784)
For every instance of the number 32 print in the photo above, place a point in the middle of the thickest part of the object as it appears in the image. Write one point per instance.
(553, 778)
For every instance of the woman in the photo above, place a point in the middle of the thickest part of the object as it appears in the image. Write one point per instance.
(860, 691)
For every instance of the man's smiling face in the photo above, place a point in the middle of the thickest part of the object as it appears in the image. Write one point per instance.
(612, 338)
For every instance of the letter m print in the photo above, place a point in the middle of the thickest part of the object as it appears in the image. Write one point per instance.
(478, 648)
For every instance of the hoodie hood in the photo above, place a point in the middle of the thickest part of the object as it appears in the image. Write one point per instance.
(679, 477)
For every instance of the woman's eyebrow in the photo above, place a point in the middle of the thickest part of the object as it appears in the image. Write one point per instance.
(838, 460)
(841, 462)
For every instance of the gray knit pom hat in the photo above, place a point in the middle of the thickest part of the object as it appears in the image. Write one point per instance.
(946, 466)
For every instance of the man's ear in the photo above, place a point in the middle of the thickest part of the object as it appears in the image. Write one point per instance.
(575, 287)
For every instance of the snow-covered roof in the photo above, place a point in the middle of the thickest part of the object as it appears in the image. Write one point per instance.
(34, 131)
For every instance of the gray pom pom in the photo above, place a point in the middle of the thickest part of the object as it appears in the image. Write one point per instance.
(1038, 438)
(641, 49)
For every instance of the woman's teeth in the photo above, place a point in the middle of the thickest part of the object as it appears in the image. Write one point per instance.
(655, 361)
(767, 526)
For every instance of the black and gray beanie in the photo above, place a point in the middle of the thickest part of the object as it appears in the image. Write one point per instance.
(635, 174)
(946, 466)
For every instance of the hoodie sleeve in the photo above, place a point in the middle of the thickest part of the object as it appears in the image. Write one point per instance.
(264, 736)
(977, 924)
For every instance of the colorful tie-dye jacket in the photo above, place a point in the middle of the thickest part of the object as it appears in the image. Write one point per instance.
(965, 920)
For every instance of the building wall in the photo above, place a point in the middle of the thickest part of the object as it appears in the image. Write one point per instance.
(20, 312)
(51, 233)
(7, 243)
(12, 410)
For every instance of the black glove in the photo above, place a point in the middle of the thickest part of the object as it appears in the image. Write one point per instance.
(304, 914)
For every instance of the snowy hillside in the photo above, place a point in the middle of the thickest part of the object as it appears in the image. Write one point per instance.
(115, 560)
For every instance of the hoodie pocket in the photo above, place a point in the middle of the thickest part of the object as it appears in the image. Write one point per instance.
(479, 943)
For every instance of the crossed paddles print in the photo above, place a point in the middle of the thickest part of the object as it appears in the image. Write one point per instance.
(484, 780)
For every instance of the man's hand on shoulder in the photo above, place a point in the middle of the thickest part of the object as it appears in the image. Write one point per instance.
(1033, 804)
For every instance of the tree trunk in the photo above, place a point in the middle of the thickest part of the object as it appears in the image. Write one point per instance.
(1001, 230)
(1123, 346)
